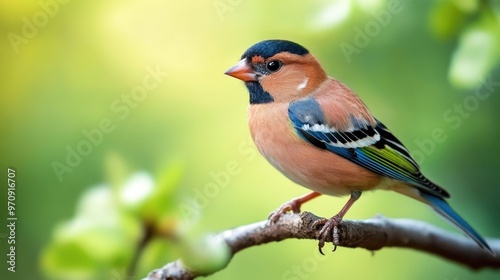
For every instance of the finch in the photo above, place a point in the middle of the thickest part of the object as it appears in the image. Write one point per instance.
(319, 134)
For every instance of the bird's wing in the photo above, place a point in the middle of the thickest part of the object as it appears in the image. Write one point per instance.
(367, 143)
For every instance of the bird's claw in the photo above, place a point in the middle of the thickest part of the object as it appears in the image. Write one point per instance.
(291, 205)
(329, 227)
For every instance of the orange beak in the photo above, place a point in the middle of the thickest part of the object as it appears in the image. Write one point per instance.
(242, 71)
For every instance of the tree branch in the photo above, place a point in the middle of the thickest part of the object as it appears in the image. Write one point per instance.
(371, 234)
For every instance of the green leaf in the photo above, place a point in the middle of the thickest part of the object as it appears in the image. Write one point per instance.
(96, 241)
(206, 255)
(155, 254)
(468, 6)
(160, 203)
(68, 261)
(446, 19)
(117, 170)
(476, 55)
(136, 190)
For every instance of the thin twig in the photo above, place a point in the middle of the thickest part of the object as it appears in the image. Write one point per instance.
(148, 232)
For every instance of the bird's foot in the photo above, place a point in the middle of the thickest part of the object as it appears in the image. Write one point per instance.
(292, 205)
(330, 228)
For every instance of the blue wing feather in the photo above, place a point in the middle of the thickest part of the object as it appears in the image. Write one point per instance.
(387, 156)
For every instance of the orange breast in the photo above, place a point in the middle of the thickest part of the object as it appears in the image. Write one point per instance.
(319, 170)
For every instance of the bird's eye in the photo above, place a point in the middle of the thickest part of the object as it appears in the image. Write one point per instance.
(273, 65)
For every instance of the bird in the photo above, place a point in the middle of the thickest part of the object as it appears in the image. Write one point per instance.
(321, 135)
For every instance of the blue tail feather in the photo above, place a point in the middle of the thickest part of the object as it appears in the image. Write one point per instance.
(445, 210)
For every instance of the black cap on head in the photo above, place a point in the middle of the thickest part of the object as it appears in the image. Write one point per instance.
(269, 48)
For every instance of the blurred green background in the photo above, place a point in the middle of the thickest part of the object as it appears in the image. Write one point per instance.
(116, 115)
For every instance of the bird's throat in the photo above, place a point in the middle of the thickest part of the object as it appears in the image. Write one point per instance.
(257, 94)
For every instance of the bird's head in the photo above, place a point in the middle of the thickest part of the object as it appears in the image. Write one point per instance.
(278, 71)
